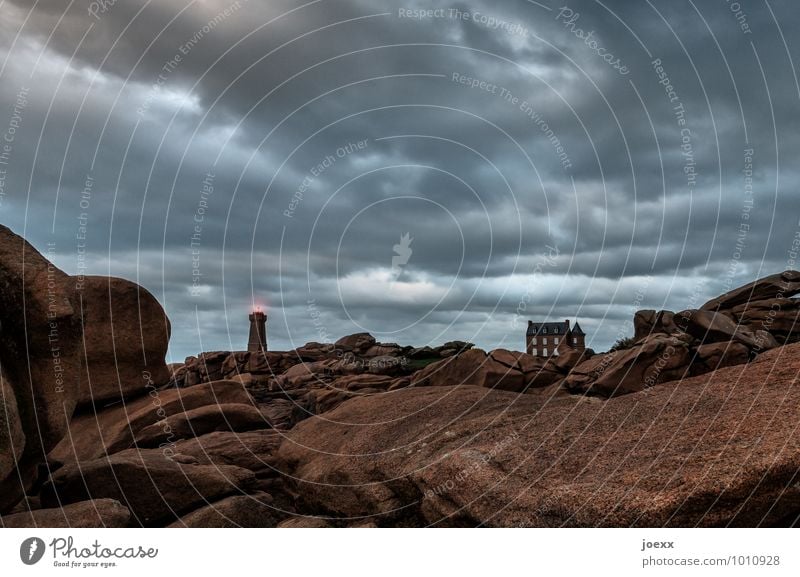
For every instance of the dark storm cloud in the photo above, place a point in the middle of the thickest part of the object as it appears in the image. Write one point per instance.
(556, 180)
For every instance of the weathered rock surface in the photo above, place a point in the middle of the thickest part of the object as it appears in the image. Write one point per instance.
(359, 342)
(57, 351)
(252, 450)
(97, 432)
(648, 322)
(153, 486)
(472, 367)
(40, 359)
(252, 511)
(717, 355)
(656, 359)
(777, 286)
(714, 327)
(690, 453)
(126, 334)
(196, 422)
(86, 514)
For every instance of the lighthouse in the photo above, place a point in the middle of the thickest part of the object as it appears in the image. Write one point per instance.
(258, 332)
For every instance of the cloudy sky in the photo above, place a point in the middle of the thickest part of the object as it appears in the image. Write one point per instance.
(421, 171)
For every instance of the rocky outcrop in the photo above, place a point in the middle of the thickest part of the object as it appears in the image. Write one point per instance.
(251, 511)
(714, 327)
(648, 322)
(691, 424)
(195, 422)
(126, 334)
(155, 487)
(358, 343)
(777, 286)
(86, 514)
(97, 432)
(39, 361)
(656, 359)
(472, 367)
(689, 454)
(59, 350)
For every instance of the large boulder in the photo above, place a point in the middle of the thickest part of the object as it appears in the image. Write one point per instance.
(195, 422)
(59, 348)
(126, 334)
(252, 450)
(780, 317)
(713, 356)
(155, 487)
(251, 511)
(39, 361)
(683, 454)
(714, 327)
(98, 513)
(358, 343)
(647, 322)
(97, 432)
(12, 437)
(777, 286)
(656, 359)
(472, 367)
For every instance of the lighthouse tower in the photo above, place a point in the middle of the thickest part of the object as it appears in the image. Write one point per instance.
(258, 332)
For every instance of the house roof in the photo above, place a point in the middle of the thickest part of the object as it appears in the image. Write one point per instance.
(577, 330)
(548, 328)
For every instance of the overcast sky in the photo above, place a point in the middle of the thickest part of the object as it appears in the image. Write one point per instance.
(542, 160)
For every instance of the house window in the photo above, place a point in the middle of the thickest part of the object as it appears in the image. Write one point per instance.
(544, 331)
(555, 340)
(574, 340)
(544, 340)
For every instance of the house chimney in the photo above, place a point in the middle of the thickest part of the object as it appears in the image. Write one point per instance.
(257, 342)
(566, 322)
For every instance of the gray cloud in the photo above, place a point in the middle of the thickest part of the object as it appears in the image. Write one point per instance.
(555, 149)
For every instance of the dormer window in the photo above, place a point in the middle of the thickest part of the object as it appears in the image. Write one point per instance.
(544, 331)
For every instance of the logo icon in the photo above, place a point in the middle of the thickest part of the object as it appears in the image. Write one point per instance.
(402, 255)
(31, 551)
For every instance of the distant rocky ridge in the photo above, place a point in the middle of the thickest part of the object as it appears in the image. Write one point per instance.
(694, 424)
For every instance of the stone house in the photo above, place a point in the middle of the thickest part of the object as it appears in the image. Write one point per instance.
(546, 339)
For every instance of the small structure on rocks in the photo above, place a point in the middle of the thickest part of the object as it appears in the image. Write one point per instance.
(258, 332)
(546, 339)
